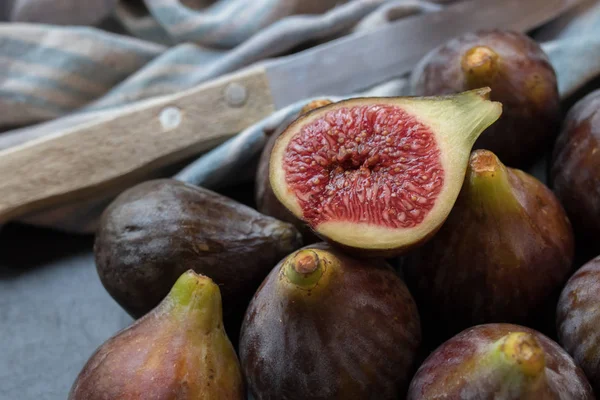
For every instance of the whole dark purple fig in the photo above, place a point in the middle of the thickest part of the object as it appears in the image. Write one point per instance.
(521, 78)
(178, 351)
(499, 362)
(155, 231)
(578, 319)
(266, 201)
(327, 326)
(575, 169)
(502, 256)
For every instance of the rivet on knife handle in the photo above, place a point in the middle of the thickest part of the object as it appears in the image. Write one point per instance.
(91, 158)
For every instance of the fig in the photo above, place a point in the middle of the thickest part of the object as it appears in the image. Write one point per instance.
(266, 201)
(502, 256)
(157, 230)
(379, 176)
(578, 319)
(575, 168)
(499, 362)
(179, 350)
(326, 326)
(521, 77)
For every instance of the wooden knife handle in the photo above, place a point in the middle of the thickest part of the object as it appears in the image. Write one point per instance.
(86, 160)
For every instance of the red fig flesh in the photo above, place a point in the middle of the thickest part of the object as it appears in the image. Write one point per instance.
(499, 362)
(327, 326)
(379, 175)
(266, 201)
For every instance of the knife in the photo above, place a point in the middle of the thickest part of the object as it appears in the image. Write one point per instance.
(90, 159)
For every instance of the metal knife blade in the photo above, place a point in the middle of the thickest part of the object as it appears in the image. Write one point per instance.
(364, 59)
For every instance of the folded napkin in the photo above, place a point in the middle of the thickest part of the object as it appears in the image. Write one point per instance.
(63, 63)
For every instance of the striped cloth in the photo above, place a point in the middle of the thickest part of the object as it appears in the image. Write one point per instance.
(64, 62)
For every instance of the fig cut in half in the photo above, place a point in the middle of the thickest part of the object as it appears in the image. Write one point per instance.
(379, 175)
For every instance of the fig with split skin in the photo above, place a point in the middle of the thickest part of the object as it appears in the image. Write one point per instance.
(500, 362)
(578, 319)
(575, 169)
(521, 77)
(178, 351)
(327, 326)
(379, 176)
(155, 231)
(502, 256)
(266, 201)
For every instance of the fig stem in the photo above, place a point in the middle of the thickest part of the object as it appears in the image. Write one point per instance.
(524, 351)
(480, 66)
(196, 299)
(304, 268)
(516, 367)
(488, 182)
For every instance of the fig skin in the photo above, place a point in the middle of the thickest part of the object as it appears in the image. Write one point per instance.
(266, 201)
(178, 351)
(500, 362)
(348, 329)
(155, 231)
(502, 256)
(578, 319)
(521, 77)
(575, 169)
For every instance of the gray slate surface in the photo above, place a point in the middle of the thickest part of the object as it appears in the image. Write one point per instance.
(54, 312)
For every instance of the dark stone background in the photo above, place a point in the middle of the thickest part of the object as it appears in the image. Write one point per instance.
(54, 312)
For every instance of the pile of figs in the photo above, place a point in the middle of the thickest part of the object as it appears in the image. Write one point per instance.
(396, 249)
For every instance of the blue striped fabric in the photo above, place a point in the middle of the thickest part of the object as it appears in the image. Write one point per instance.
(63, 62)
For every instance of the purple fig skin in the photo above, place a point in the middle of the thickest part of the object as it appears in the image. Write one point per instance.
(178, 351)
(521, 78)
(575, 169)
(352, 334)
(503, 254)
(266, 201)
(460, 369)
(578, 319)
(155, 231)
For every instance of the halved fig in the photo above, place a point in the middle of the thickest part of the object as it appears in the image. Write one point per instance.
(379, 175)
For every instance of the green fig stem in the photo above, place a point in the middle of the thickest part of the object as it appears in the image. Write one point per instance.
(488, 184)
(471, 110)
(524, 352)
(480, 66)
(304, 268)
(196, 299)
(518, 361)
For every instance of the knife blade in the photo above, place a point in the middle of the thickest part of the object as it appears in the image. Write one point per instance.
(365, 59)
(107, 155)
